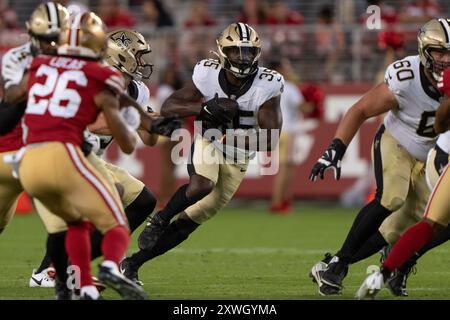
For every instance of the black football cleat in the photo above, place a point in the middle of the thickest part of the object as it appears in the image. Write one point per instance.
(335, 273)
(118, 282)
(130, 271)
(397, 281)
(319, 267)
(152, 232)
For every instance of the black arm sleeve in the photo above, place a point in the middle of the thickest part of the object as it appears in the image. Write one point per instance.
(10, 115)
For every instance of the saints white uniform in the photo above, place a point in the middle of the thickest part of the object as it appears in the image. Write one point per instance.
(402, 144)
(14, 63)
(132, 186)
(227, 172)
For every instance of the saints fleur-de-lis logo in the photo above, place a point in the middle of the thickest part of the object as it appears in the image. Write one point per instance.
(123, 41)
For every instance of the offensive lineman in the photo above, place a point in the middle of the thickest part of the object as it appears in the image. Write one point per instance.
(400, 148)
(214, 180)
(434, 221)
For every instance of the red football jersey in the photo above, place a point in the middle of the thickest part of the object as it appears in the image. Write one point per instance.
(13, 140)
(61, 93)
(444, 83)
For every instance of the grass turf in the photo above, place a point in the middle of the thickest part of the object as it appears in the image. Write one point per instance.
(243, 253)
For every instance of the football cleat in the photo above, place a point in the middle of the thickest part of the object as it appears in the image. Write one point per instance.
(397, 281)
(371, 286)
(44, 279)
(316, 275)
(128, 270)
(98, 284)
(319, 267)
(152, 232)
(118, 282)
(335, 273)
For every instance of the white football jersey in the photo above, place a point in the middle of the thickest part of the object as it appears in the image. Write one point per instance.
(209, 79)
(443, 141)
(140, 92)
(14, 63)
(411, 123)
(291, 98)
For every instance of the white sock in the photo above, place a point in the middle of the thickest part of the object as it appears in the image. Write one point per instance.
(110, 264)
(90, 291)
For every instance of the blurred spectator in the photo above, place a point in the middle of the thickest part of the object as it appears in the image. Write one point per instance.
(155, 14)
(313, 107)
(420, 11)
(330, 43)
(199, 15)
(170, 81)
(291, 108)
(8, 17)
(280, 13)
(114, 16)
(253, 12)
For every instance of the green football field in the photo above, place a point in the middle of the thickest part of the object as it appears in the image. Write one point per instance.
(243, 253)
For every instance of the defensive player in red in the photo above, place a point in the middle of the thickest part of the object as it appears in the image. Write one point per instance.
(65, 94)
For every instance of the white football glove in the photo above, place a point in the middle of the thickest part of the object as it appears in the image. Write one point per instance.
(131, 117)
(93, 139)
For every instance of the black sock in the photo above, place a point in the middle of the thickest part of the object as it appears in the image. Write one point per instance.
(56, 250)
(45, 263)
(96, 244)
(136, 213)
(178, 203)
(374, 244)
(140, 209)
(442, 237)
(176, 233)
(366, 223)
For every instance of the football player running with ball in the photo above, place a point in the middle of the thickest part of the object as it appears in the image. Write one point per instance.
(410, 97)
(216, 167)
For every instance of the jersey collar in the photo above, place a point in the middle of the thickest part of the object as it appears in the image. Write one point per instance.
(231, 91)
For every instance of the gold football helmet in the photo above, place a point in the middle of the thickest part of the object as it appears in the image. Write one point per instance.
(47, 23)
(239, 47)
(129, 52)
(435, 34)
(86, 37)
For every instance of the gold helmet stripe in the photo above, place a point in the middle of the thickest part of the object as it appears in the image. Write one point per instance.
(446, 26)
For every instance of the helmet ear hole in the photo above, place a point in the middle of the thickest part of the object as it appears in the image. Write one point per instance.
(122, 58)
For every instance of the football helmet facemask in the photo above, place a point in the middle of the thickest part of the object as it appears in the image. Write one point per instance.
(239, 47)
(48, 23)
(130, 53)
(434, 35)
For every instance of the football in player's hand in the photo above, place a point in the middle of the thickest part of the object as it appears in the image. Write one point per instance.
(229, 105)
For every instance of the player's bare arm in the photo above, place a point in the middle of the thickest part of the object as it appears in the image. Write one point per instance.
(375, 102)
(442, 122)
(184, 102)
(108, 102)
